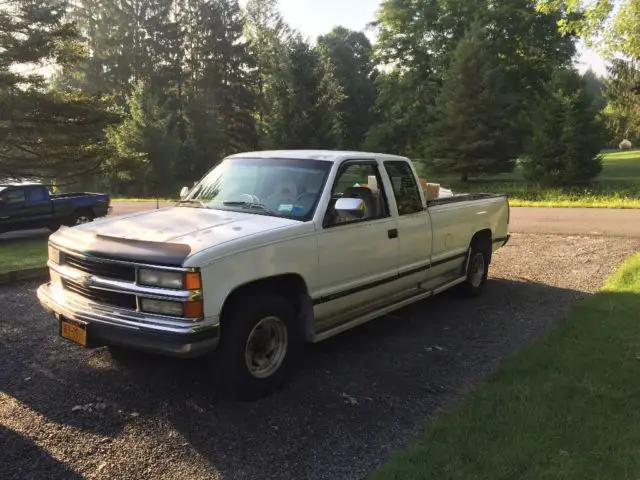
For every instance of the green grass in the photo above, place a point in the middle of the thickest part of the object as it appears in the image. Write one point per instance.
(565, 407)
(23, 254)
(618, 186)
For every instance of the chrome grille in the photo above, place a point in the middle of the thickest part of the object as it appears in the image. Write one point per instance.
(115, 299)
(101, 269)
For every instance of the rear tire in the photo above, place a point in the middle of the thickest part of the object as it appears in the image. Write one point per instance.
(477, 269)
(260, 344)
(80, 217)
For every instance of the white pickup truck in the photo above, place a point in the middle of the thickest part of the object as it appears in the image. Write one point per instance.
(268, 251)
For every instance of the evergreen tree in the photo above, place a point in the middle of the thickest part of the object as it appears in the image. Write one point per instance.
(305, 113)
(567, 135)
(43, 132)
(144, 141)
(269, 40)
(622, 92)
(350, 55)
(471, 131)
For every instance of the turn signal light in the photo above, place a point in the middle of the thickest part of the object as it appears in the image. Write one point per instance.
(194, 309)
(192, 281)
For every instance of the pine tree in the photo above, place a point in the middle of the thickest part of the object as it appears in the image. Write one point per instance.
(145, 142)
(305, 113)
(567, 135)
(349, 55)
(470, 133)
(622, 92)
(43, 132)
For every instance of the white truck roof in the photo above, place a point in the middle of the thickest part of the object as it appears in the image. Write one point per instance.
(324, 155)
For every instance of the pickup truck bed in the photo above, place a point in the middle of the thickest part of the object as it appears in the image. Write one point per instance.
(296, 247)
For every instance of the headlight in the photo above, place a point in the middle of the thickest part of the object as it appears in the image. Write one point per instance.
(161, 307)
(160, 278)
(54, 255)
(166, 279)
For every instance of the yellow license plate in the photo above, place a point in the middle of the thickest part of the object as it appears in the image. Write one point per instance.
(75, 332)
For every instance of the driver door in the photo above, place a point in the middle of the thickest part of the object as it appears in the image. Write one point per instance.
(357, 257)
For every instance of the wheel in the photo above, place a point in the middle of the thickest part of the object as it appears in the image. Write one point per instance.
(477, 270)
(80, 217)
(259, 344)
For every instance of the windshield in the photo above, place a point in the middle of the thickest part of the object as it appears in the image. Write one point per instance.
(280, 187)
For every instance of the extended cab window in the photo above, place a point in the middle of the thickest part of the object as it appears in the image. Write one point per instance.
(405, 188)
(13, 196)
(36, 194)
(358, 180)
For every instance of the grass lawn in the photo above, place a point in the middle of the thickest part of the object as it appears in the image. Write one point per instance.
(618, 186)
(23, 254)
(567, 406)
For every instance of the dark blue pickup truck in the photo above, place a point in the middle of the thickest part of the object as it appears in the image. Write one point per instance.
(31, 206)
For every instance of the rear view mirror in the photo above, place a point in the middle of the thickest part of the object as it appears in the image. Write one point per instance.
(351, 206)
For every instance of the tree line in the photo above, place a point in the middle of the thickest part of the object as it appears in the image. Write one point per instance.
(141, 96)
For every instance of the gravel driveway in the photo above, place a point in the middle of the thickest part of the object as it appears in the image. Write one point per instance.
(72, 413)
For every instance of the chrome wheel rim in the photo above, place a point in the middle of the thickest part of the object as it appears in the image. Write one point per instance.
(83, 219)
(266, 347)
(477, 270)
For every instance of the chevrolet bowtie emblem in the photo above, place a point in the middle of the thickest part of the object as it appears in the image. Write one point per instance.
(85, 281)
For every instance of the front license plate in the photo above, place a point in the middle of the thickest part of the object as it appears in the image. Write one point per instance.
(76, 332)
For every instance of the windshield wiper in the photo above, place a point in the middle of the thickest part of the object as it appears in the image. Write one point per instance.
(250, 205)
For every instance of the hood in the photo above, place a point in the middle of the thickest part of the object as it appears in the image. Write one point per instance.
(197, 228)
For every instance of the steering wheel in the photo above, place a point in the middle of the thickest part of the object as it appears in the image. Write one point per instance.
(251, 198)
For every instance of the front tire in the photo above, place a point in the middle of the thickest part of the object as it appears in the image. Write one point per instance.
(259, 344)
(477, 270)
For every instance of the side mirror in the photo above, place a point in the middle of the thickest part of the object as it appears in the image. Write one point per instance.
(351, 206)
(184, 192)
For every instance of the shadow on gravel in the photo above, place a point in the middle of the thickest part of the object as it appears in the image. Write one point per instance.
(356, 398)
(29, 459)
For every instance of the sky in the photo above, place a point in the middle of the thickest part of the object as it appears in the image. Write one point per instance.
(316, 17)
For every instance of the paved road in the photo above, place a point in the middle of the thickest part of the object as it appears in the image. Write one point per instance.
(70, 413)
(576, 221)
(561, 221)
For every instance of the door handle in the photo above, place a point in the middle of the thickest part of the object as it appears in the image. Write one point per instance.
(393, 233)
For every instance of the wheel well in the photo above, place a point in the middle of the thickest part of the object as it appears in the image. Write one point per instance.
(291, 286)
(80, 210)
(483, 239)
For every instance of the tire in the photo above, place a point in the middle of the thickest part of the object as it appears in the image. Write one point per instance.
(265, 316)
(79, 217)
(477, 269)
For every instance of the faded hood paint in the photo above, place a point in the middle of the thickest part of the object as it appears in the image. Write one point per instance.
(198, 228)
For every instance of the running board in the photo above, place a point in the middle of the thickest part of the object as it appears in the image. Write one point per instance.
(388, 309)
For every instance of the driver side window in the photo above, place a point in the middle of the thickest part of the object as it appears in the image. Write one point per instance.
(361, 182)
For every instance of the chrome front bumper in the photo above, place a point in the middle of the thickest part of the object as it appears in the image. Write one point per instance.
(107, 325)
